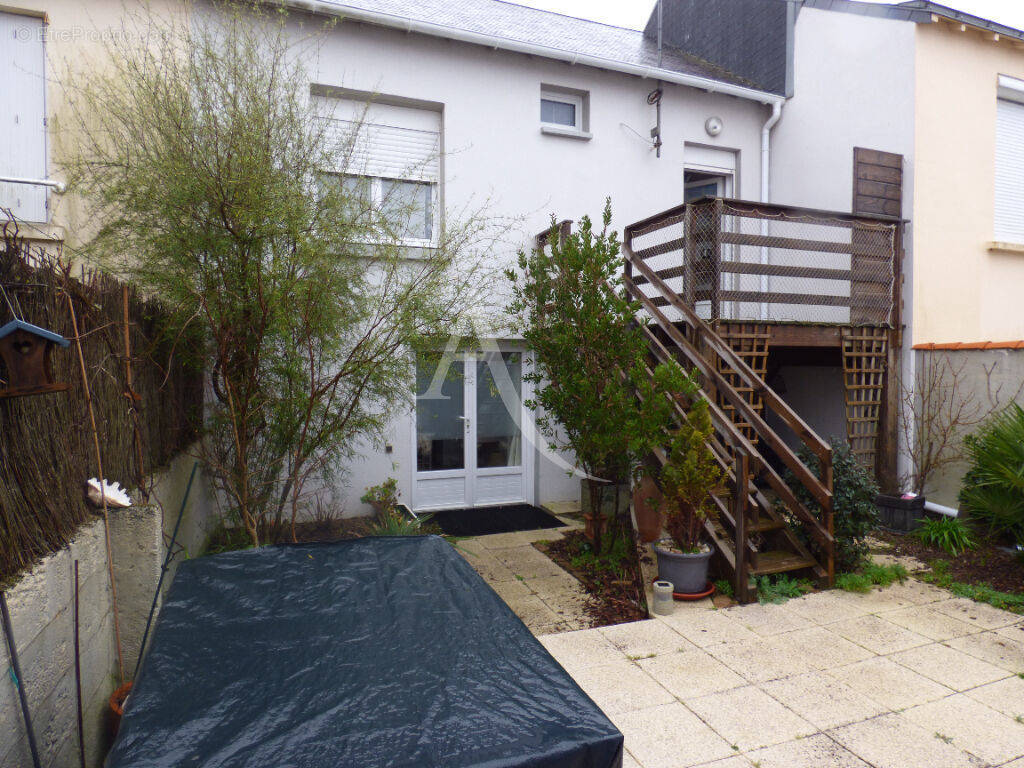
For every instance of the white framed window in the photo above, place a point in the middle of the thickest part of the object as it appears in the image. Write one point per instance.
(565, 112)
(408, 207)
(1008, 208)
(394, 164)
(23, 114)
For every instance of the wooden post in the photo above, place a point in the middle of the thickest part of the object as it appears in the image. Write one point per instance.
(690, 255)
(716, 260)
(741, 471)
(829, 521)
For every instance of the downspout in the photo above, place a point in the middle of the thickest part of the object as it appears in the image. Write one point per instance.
(766, 157)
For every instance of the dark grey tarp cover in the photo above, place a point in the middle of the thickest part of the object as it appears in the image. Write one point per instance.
(369, 652)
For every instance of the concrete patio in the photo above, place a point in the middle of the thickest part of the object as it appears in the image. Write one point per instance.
(904, 677)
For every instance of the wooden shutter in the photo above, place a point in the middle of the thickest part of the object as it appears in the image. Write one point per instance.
(385, 141)
(22, 114)
(1009, 175)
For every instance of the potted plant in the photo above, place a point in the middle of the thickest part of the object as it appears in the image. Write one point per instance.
(383, 497)
(688, 479)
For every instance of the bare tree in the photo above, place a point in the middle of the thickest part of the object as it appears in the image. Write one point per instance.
(939, 410)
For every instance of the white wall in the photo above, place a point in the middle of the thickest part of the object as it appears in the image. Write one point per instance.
(497, 157)
(853, 87)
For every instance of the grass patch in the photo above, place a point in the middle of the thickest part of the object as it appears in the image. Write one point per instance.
(871, 575)
(780, 590)
(981, 593)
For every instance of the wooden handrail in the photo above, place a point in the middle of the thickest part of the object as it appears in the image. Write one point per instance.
(737, 440)
(734, 361)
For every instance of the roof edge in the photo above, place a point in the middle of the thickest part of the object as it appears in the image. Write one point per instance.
(433, 29)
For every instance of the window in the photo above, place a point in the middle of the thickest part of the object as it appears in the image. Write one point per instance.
(22, 114)
(393, 168)
(564, 112)
(1008, 224)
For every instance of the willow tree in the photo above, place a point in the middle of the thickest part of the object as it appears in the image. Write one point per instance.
(215, 185)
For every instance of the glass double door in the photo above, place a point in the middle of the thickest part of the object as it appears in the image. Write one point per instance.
(468, 438)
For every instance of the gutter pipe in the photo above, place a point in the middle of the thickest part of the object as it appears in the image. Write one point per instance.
(533, 49)
(939, 509)
(766, 158)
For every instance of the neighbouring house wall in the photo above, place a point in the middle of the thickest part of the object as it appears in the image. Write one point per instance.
(962, 292)
(76, 36)
(987, 378)
(42, 613)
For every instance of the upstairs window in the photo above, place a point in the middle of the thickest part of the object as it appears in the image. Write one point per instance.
(393, 166)
(1008, 224)
(22, 114)
(564, 112)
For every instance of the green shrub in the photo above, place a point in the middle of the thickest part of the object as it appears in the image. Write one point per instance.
(948, 533)
(724, 587)
(394, 523)
(781, 589)
(870, 575)
(853, 504)
(993, 488)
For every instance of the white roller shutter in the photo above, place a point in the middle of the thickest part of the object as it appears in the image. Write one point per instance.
(390, 142)
(1009, 175)
(22, 114)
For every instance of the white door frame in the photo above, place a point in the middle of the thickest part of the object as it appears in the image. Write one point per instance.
(470, 473)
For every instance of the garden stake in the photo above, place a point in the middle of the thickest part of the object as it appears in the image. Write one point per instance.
(163, 569)
(78, 678)
(16, 674)
(103, 495)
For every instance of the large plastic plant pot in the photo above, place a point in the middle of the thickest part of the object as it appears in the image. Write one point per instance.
(687, 572)
(898, 514)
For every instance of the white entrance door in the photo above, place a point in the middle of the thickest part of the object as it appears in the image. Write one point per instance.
(468, 438)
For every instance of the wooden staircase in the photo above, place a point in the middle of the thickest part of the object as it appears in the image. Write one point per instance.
(751, 534)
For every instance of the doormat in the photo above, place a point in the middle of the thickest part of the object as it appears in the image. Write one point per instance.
(482, 521)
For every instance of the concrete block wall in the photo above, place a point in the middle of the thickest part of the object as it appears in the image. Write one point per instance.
(42, 613)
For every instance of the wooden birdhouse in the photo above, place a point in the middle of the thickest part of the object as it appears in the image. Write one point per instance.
(25, 350)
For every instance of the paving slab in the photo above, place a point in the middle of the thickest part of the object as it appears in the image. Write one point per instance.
(822, 648)
(994, 647)
(828, 607)
(1006, 696)
(822, 700)
(878, 635)
(643, 639)
(973, 727)
(621, 686)
(950, 667)
(762, 658)
(980, 615)
(892, 741)
(929, 621)
(705, 628)
(581, 649)
(749, 718)
(888, 683)
(688, 674)
(670, 736)
(814, 752)
(769, 619)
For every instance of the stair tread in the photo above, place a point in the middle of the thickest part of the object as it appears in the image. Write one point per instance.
(764, 524)
(779, 561)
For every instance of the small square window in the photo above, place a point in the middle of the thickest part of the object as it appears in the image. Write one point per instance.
(564, 112)
(558, 113)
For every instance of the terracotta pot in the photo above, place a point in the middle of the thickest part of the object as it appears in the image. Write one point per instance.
(646, 498)
(117, 699)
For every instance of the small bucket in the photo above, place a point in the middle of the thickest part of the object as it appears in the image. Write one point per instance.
(664, 603)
